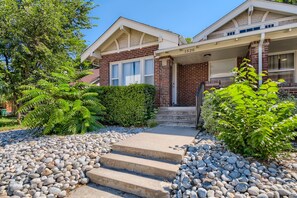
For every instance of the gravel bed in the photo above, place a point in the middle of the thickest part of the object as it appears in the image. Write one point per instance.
(51, 166)
(210, 170)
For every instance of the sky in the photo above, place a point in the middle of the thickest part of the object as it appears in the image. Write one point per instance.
(185, 17)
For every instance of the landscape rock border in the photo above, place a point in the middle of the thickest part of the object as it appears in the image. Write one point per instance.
(210, 170)
(50, 166)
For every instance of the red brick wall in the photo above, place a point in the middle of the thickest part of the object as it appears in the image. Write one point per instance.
(106, 59)
(254, 57)
(188, 79)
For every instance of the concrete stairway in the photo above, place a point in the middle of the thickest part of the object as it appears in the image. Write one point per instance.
(144, 164)
(177, 116)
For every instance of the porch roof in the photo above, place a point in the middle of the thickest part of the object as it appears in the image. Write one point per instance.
(236, 41)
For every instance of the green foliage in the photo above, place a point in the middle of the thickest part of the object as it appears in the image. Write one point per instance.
(128, 105)
(37, 37)
(7, 122)
(189, 40)
(59, 107)
(294, 2)
(210, 119)
(253, 122)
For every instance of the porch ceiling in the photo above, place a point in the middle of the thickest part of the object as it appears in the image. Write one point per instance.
(283, 45)
(199, 57)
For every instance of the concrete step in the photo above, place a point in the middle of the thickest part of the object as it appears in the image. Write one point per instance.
(155, 168)
(176, 117)
(130, 183)
(177, 108)
(177, 124)
(177, 113)
(171, 157)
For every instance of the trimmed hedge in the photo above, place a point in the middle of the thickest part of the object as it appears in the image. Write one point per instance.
(131, 105)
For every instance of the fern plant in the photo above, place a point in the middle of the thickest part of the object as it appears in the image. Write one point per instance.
(59, 107)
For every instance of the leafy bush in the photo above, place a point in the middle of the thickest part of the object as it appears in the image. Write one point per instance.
(128, 105)
(59, 107)
(252, 121)
(210, 118)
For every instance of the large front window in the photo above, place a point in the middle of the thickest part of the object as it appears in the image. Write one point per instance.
(132, 72)
(221, 71)
(282, 66)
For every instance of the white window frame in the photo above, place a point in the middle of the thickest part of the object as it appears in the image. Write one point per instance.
(111, 78)
(148, 75)
(120, 70)
(222, 75)
(285, 70)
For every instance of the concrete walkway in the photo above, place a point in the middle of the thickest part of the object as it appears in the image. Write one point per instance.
(142, 165)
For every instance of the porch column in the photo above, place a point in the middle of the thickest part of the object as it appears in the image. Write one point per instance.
(254, 55)
(163, 79)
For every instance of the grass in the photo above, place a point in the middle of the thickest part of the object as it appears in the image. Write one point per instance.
(9, 123)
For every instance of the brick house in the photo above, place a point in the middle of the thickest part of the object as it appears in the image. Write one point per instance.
(263, 31)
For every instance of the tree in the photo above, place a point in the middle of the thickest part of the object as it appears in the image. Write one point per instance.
(37, 37)
(294, 2)
(189, 40)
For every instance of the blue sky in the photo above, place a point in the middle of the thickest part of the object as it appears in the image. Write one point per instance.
(185, 17)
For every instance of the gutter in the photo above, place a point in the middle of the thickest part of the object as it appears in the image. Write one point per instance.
(260, 58)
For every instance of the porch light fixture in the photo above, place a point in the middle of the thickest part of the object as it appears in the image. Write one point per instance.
(236, 39)
(290, 30)
(207, 55)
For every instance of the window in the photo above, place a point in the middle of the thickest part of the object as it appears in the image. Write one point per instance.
(231, 33)
(149, 72)
(222, 71)
(281, 66)
(249, 29)
(132, 72)
(115, 75)
(269, 26)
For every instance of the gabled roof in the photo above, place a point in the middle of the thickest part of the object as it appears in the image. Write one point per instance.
(124, 22)
(262, 4)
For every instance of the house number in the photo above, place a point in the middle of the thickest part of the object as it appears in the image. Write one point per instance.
(189, 50)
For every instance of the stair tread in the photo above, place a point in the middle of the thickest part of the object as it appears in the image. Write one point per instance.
(165, 166)
(176, 121)
(129, 179)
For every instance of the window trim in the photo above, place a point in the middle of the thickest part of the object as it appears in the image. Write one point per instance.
(285, 70)
(120, 70)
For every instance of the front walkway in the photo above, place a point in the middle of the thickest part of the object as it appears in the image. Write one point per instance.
(143, 164)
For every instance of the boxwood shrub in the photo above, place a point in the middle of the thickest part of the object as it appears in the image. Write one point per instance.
(131, 105)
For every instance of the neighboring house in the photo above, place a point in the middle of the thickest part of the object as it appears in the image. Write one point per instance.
(93, 78)
(263, 31)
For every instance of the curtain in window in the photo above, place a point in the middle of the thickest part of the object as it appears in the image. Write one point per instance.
(131, 73)
(149, 72)
(115, 75)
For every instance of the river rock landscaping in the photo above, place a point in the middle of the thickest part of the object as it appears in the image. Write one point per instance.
(210, 170)
(50, 166)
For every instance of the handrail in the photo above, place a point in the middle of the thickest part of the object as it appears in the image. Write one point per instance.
(199, 101)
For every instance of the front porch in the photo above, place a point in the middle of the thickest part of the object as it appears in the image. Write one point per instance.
(182, 71)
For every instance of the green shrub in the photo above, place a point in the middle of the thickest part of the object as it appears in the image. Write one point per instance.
(61, 108)
(128, 105)
(252, 121)
(210, 105)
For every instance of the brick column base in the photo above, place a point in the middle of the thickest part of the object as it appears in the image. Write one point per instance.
(163, 79)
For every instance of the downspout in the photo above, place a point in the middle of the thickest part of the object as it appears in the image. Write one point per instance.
(260, 58)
